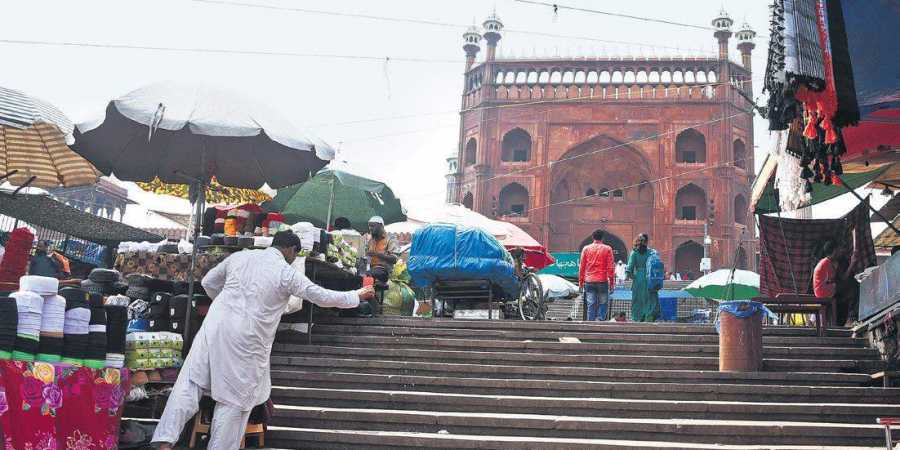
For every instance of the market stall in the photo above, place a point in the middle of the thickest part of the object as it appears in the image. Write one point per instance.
(62, 375)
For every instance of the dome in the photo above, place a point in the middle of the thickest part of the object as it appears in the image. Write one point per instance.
(471, 39)
(492, 24)
(746, 34)
(723, 22)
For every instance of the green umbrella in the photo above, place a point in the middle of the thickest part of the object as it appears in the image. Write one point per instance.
(724, 284)
(334, 193)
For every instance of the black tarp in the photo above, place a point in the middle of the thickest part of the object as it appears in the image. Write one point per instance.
(44, 211)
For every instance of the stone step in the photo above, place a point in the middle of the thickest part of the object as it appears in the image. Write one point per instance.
(700, 390)
(584, 407)
(327, 364)
(585, 360)
(607, 336)
(573, 326)
(769, 351)
(329, 438)
(535, 425)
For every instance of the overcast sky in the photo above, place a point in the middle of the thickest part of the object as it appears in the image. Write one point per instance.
(325, 93)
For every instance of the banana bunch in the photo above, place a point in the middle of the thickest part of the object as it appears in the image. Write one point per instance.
(216, 193)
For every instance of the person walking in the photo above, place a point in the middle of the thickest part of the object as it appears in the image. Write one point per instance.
(229, 359)
(644, 301)
(597, 276)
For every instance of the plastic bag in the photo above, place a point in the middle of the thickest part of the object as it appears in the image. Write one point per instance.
(399, 299)
(656, 271)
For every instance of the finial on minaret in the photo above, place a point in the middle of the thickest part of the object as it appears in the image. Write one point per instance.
(492, 33)
(471, 45)
(745, 44)
(722, 23)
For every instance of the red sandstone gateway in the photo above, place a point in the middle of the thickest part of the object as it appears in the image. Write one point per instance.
(657, 145)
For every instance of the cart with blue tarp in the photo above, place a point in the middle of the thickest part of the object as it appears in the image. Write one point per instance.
(466, 266)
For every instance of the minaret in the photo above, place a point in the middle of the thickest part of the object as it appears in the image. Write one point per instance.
(492, 28)
(745, 44)
(471, 45)
(723, 23)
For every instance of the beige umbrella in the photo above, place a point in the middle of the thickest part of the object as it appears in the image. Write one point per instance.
(34, 142)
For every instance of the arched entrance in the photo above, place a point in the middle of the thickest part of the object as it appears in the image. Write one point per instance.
(618, 172)
(620, 251)
(468, 200)
(687, 259)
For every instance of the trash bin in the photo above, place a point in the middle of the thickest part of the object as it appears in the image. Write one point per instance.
(740, 336)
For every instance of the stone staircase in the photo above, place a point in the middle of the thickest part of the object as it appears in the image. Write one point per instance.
(411, 383)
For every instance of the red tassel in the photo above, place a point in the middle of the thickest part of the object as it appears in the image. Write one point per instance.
(810, 131)
(836, 180)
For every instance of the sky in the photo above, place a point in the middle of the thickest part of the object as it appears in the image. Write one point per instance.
(389, 103)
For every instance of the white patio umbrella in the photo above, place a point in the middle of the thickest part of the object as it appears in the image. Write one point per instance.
(189, 133)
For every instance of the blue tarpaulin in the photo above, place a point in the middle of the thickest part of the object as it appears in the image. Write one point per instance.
(625, 294)
(445, 252)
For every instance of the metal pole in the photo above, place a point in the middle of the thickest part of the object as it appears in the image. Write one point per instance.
(330, 204)
(855, 194)
(201, 200)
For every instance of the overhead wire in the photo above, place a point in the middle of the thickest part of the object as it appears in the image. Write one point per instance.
(460, 26)
(221, 51)
(557, 6)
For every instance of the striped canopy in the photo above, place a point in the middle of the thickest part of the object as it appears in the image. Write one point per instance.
(34, 138)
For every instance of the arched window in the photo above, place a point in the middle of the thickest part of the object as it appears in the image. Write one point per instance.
(470, 152)
(513, 200)
(665, 77)
(604, 77)
(677, 77)
(603, 192)
(544, 77)
(555, 77)
(629, 77)
(688, 76)
(740, 210)
(592, 77)
(690, 147)
(468, 200)
(690, 203)
(516, 146)
(641, 77)
(618, 194)
(532, 77)
(580, 77)
(687, 259)
(654, 77)
(740, 154)
(590, 192)
(617, 77)
(568, 77)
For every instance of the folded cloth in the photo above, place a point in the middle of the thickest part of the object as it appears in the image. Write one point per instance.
(50, 348)
(38, 284)
(53, 315)
(9, 322)
(30, 307)
(99, 275)
(138, 292)
(94, 287)
(78, 321)
(117, 300)
(116, 325)
(96, 300)
(26, 347)
(75, 297)
(116, 360)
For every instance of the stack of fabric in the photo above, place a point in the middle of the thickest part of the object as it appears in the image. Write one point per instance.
(95, 358)
(52, 326)
(159, 312)
(102, 281)
(116, 324)
(16, 256)
(9, 322)
(77, 325)
(30, 307)
(138, 287)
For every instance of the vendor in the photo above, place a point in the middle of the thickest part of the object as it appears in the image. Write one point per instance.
(43, 263)
(380, 248)
(833, 278)
(229, 359)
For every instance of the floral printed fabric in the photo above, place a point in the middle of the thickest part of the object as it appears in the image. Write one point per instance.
(56, 407)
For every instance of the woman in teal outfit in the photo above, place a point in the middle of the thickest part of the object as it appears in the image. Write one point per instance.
(644, 302)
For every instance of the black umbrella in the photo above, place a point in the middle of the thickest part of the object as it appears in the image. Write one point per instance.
(188, 133)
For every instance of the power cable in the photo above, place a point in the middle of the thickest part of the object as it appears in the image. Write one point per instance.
(460, 26)
(380, 59)
(557, 6)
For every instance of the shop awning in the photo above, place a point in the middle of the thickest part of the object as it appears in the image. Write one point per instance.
(43, 211)
(768, 201)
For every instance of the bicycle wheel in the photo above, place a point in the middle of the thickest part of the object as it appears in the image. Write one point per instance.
(531, 299)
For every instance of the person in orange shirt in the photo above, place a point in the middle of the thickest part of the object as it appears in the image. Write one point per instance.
(597, 276)
(833, 277)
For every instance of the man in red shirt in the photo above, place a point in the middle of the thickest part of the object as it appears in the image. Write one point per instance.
(825, 274)
(833, 278)
(597, 276)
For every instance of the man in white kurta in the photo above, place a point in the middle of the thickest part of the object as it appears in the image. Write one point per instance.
(229, 359)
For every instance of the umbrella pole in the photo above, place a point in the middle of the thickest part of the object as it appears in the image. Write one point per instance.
(330, 206)
(198, 213)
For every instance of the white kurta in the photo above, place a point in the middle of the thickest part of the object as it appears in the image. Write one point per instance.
(230, 354)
